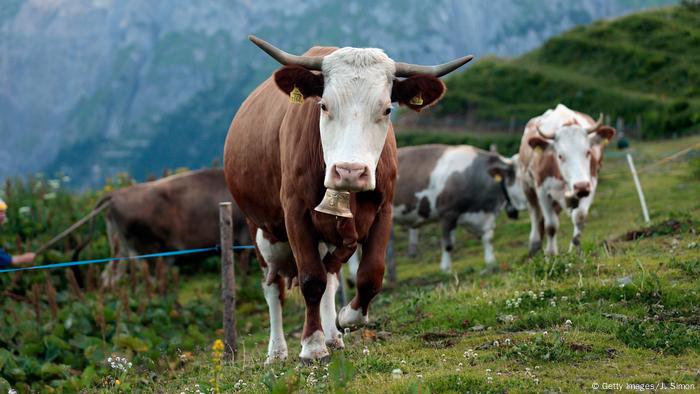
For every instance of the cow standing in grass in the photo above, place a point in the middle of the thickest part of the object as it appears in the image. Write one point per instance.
(322, 121)
(561, 154)
(454, 185)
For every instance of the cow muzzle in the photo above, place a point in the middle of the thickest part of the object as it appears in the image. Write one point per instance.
(352, 177)
(582, 189)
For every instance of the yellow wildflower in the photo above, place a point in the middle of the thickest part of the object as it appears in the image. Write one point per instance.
(117, 382)
(218, 346)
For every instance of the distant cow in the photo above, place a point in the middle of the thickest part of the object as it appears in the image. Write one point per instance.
(174, 213)
(322, 121)
(561, 153)
(455, 185)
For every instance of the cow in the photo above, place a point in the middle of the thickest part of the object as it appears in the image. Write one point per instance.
(454, 185)
(561, 153)
(173, 213)
(322, 121)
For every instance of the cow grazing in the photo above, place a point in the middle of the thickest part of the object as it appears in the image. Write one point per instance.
(174, 213)
(322, 121)
(454, 185)
(561, 153)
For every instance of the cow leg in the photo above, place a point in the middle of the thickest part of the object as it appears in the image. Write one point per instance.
(353, 265)
(448, 237)
(551, 221)
(412, 242)
(334, 340)
(269, 255)
(578, 217)
(370, 274)
(536, 221)
(487, 230)
(312, 279)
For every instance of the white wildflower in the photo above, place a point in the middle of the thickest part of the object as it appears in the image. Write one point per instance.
(397, 373)
(49, 196)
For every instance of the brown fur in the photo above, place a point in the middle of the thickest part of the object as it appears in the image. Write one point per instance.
(274, 168)
(178, 212)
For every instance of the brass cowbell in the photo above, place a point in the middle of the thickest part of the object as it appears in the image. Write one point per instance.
(336, 203)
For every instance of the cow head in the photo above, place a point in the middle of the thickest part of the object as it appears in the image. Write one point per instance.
(509, 174)
(577, 150)
(356, 89)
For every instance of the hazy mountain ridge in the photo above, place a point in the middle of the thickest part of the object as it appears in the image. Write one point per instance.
(94, 87)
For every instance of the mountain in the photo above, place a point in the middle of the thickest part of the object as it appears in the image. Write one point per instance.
(644, 68)
(94, 87)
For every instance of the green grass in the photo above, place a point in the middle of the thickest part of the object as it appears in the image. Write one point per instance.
(625, 313)
(639, 65)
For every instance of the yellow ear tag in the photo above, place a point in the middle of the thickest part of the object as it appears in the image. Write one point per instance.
(538, 149)
(295, 96)
(605, 141)
(418, 100)
(497, 178)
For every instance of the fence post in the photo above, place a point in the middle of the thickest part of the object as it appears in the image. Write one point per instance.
(638, 185)
(228, 280)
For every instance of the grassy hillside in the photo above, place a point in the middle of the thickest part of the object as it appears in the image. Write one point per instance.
(622, 313)
(646, 64)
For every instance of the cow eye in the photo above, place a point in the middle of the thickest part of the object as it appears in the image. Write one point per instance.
(387, 111)
(588, 153)
(323, 107)
(561, 157)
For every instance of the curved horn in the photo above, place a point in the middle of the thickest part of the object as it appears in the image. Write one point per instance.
(597, 124)
(543, 134)
(308, 62)
(406, 69)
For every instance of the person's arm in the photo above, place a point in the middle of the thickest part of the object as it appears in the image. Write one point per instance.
(24, 258)
(5, 259)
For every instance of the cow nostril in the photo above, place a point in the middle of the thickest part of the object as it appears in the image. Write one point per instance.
(582, 189)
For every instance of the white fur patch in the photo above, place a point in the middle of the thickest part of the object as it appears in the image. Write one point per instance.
(314, 347)
(334, 339)
(279, 251)
(351, 318)
(354, 264)
(277, 347)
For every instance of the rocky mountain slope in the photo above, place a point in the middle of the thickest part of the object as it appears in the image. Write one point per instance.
(93, 87)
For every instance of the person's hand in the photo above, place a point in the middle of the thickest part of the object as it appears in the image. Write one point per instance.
(26, 258)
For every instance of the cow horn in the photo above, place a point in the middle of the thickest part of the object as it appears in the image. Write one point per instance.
(404, 70)
(597, 124)
(543, 134)
(308, 62)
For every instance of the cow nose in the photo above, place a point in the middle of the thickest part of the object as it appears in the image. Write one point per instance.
(582, 189)
(350, 176)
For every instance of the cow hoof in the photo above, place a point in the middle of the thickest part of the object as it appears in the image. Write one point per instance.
(335, 344)
(489, 270)
(307, 362)
(350, 319)
(273, 359)
(313, 347)
(534, 248)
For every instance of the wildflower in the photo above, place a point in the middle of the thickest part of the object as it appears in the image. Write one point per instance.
(49, 196)
(545, 333)
(65, 179)
(403, 361)
(117, 382)
(24, 210)
(496, 344)
(396, 373)
(218, 346)
(568, 322)
(507, 342)
(419, 376)
(552, 303)
(489, 379)
(55, 183)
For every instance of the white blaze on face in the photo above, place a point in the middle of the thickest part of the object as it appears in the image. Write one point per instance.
(354, 120)
(573, 150)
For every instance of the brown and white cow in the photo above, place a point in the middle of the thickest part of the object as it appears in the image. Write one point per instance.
(173, 213)
(282, 153)
(561, 153)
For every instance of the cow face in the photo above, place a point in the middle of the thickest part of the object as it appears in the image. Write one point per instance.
(576, 151)
(509, 172)
(356, 90)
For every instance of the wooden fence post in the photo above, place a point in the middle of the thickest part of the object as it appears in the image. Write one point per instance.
(638, 185)
(228, 280)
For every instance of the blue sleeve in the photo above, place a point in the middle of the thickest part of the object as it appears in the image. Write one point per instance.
(5, 259)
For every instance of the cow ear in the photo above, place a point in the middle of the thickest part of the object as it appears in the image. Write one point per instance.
(603, 134)
(418, 92)
(537, 142)
(309, 84)
(499, 169)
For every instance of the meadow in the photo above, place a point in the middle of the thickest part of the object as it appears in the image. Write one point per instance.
(627, 311)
